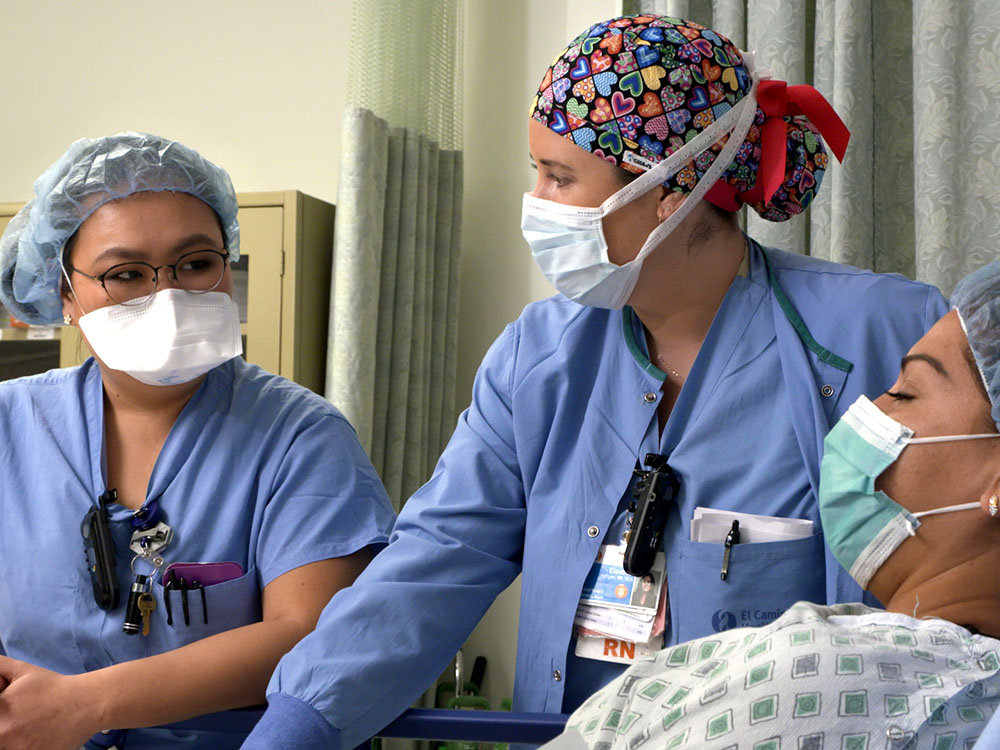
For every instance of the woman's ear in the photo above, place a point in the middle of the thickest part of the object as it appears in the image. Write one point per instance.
(69, 307)
(670, 201)
(990, 499)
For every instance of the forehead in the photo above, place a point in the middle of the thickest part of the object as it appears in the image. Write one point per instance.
(546, 145)
(146, 221)
(946, 342)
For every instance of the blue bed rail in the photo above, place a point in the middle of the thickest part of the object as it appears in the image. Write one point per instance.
(419, 724)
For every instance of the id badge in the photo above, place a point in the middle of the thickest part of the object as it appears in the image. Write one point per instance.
(608, 584)
(616, 650)
(616, 606)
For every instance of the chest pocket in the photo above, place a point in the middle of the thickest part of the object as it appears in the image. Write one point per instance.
(764, 579)
(227, 605)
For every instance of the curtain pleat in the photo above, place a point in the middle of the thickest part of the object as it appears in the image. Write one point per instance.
(356, 291)
(393, 317)
(894, 239)
(457, 182)
(387, 284)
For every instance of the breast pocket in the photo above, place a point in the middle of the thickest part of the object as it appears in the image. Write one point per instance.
(222, 607)
(763, 580)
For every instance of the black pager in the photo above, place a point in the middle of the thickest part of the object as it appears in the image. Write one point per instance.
(653, 495)
(100, 551)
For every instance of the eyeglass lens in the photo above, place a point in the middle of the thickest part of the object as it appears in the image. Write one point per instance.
(133, 283)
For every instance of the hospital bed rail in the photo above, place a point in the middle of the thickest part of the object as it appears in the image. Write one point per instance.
(443, 724)
(468, 726)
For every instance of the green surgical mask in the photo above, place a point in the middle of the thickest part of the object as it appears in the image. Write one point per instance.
(862, 525)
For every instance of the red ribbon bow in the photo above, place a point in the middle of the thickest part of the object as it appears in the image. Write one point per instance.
(779, 100)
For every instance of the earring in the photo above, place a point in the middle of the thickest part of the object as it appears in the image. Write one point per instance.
(994, 504)
(67, 319)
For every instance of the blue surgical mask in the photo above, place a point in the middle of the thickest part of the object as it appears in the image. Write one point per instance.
(862, 525)
(568, 242)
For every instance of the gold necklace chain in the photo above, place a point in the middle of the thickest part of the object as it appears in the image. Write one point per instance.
(669, 369)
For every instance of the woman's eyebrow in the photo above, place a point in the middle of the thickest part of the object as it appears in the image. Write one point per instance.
(126, 253)
(129, 253)
(932, 361)
(195, 239)
(554, 163)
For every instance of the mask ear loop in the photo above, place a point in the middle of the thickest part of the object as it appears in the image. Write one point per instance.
(951, 438)
(946, 509)
(72, 290)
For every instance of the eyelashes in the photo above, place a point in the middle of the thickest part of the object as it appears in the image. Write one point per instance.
(899, 395)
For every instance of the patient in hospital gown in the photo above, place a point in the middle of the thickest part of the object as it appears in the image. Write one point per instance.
(910, 504)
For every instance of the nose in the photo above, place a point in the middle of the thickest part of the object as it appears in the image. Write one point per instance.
(165, 278)
(537, 192)
(884, 403)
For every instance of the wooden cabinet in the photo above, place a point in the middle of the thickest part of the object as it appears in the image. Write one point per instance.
(281, 284)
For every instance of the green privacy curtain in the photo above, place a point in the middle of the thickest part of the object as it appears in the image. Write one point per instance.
(918, 84)
(394, 296)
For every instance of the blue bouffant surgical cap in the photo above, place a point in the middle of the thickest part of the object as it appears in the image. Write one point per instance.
(92, 172)
(977, 299)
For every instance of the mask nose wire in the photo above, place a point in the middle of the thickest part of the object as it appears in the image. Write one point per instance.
(72, 290)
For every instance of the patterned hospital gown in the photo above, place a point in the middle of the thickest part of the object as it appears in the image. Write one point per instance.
(845, 677)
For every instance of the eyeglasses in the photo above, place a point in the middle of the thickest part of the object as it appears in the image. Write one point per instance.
(135, 282)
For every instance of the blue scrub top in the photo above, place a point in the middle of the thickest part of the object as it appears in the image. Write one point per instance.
(742, 363)
(256, 470)
(533, 479)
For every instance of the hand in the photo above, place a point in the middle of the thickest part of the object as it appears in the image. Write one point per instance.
(43, 709)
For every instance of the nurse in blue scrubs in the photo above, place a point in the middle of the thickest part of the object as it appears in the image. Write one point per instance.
(236, 503)
(673, 334)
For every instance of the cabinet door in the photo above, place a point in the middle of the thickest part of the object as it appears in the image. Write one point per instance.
(261, 233)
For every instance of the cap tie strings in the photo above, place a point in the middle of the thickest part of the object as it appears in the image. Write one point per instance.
(778, 100)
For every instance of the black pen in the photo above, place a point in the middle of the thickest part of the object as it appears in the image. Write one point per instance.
(733, 537)
(167, 588)
(184, 603)
(196, 586)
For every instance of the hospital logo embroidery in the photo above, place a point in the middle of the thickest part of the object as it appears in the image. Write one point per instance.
(723, 620)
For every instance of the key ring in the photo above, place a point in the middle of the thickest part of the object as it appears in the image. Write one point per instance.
(155, 561)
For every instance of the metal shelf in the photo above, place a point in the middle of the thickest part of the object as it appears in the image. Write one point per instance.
(34, 333)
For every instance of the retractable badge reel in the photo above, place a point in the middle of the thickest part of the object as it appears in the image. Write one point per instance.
(653, 494)
(149, 538)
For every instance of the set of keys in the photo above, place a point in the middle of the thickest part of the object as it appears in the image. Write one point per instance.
(140, 607)
(150, 537)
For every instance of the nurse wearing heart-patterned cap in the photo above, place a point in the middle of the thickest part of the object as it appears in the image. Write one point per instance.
(673, 334)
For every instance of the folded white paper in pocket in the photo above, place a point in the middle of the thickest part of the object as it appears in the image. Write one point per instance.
(712, 525)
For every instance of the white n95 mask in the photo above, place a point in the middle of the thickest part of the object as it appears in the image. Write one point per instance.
(862, 525)
(173, 338)
(568, 242)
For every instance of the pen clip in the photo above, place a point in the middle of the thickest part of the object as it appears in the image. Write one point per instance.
(733, 537)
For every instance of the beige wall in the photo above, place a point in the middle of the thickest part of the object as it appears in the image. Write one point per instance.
(258, 86)
(255, 85)
(498, 275)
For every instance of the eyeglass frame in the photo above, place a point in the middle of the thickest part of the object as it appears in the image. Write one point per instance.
(156, 275)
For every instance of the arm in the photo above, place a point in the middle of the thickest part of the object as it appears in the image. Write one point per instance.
(232, 670)
(458, 543)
